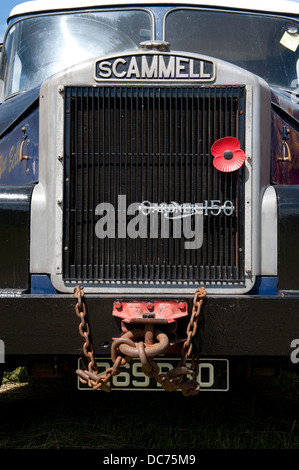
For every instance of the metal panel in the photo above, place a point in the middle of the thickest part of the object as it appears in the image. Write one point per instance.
(229, 326)
(151, 144)
(269, 233)
(14, 237)
(288, 247)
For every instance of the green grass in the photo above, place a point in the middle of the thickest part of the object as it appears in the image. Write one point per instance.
(17, 376)
(51, 414)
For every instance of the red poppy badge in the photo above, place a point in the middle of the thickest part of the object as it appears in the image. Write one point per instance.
(228, 154)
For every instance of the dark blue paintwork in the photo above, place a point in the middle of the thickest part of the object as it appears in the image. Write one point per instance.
(41, 284)
(15, 108)
(19, 123)
(265, 285)
(12, 170)
(285, 128)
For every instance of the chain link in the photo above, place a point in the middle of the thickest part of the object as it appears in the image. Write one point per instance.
(173, 380)
(126, 347)
(90, 375)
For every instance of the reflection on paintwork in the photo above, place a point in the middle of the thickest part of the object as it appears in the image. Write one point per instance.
(12, 170)
(284, 170)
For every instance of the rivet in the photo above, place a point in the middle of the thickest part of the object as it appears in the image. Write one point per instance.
(150, 306)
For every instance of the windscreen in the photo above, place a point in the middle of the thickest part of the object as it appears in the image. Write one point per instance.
(36, 48)
(263, 44)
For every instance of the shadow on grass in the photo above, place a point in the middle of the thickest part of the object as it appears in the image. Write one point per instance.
(53, 414)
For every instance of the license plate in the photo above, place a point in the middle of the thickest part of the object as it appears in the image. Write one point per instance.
(213, 374)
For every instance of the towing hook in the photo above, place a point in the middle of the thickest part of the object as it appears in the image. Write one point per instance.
(140, 343)
(128, 347)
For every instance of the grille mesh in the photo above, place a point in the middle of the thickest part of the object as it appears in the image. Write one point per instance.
(150, 144)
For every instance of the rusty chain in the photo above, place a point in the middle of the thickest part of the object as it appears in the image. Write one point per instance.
(173, 380)
(126, 347)
(90, 375)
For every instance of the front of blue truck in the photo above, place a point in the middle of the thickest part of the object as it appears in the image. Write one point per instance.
(149, 192)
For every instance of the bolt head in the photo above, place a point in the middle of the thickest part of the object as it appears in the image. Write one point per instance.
(150, 306)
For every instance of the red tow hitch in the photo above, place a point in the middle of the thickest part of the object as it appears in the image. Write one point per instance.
(140, 320)
(153, 311)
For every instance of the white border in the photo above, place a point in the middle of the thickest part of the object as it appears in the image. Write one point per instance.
(282, 6)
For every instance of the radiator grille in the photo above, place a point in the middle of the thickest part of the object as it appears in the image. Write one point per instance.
(150, 144)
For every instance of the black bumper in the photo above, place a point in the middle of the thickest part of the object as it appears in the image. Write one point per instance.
(229, 326)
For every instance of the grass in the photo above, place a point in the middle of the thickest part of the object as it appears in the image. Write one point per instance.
(51, 414)
(17, 376)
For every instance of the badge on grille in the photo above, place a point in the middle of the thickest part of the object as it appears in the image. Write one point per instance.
(146, 66)
(228, 154)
